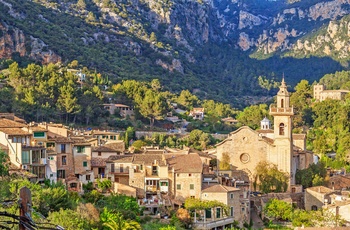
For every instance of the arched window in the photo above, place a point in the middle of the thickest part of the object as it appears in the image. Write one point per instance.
(314, 208)
(282, 103)
(281, 129)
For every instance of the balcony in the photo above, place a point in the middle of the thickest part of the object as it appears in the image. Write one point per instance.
(152, 188)
(275, 110)
(39, 161)
(210, 224)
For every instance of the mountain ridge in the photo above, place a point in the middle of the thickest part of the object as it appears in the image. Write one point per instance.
(201, 45)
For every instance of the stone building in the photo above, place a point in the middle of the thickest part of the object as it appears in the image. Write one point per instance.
(321, 94)
(247, 147)
(316, 197)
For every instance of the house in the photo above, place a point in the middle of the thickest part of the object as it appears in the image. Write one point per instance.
(316, 197)
(339, 182)
(197, 113)
(123, 110)
(340, 206)
(117, 168)
(23, 151)
(186, 180)
(229, 121)
(100, 155)
(216, 217)
(321, 94)
(104, 137)
(61, 157)
(82, 160)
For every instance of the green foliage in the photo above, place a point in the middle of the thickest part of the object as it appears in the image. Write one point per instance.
(126, 205)
(197, 139)
(278, 209)
(225, 161)
(270, 179)
(197, 204)
(252, 115)
(4, 164)
(69, 219)
(104, 184)
(116, 221)
(311, 176)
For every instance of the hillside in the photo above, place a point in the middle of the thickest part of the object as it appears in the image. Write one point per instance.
(217, 49)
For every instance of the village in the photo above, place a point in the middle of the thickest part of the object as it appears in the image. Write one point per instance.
(163, 178)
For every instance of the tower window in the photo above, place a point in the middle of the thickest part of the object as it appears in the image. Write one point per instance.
(282, 103)
(281, 129)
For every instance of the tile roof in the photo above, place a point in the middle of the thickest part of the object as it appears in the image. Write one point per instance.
(320, 189)
(299, 136)
(265, 131)
(121, 158)
(15, 131)
(220, 188)
(104, 148)
(148, 159)
(37, 129)
(189, 163)
(98, 162)
(6, 123)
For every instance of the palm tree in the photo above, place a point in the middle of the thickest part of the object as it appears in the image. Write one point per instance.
(118, 223)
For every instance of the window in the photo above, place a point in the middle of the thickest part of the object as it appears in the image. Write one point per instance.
(51, 174)
(178, 174)
(84, 163)
(282, 103)
(61, 174)
(189, 174)
(178, 186)
(231, 211)
(99, 154)
(141, 167)
(25, 157)
(192, 197)
(64, 160)
(314, 208)
(281, 129)
(39, 134)
(218, 212)
(231, 195)
(121, 168)
(63, 148)
(81, 149)
(73, 185)
(112, 168)
(192, 186)
(155, 170)
(88, 177)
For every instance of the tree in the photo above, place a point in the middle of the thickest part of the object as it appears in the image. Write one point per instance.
(4, 163)
(69, 219)
(225, 161)
(270, 179)
(116, 221)
(187, 99)
(152, 106)
(252, 115)
(67, 100)
(278, 209)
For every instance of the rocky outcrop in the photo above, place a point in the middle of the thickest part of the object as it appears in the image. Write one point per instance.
(13, 40)
(175, 65)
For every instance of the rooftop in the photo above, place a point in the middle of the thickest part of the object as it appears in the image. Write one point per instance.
(220, 188)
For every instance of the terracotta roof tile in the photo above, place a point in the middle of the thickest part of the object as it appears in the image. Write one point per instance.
(6, 123)
(148, 159)
(190, 163)
(98, 162)
(220, 188)
(121, 158)
(15, 131)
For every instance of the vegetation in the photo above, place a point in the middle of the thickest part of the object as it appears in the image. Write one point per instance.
(283, 211)
(269, 178)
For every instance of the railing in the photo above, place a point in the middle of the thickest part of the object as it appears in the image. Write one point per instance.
(151, 188)
(209, 224)
(281, 110)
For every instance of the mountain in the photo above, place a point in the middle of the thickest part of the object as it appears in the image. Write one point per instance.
(215, 48)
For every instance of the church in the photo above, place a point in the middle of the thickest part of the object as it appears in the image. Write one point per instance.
(247, 147)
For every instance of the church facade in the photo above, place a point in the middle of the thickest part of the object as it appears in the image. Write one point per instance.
(247, 147)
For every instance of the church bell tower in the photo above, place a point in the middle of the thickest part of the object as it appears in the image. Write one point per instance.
(283, 140)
